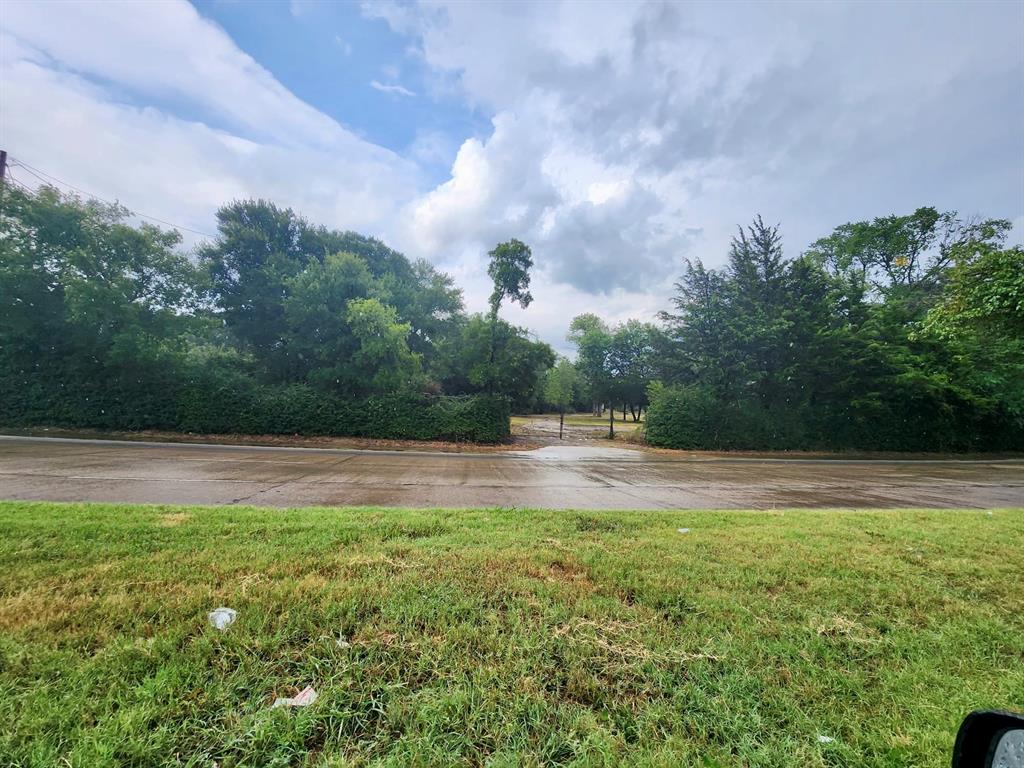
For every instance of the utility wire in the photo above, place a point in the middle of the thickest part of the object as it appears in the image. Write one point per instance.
(50, 179)
(10, 177)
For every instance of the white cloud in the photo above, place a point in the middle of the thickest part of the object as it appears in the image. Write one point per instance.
(624, 136)
(82, 99)
(392, 88)
(629, 135)
(167, 51)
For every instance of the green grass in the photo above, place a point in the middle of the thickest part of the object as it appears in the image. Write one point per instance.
(503, 637)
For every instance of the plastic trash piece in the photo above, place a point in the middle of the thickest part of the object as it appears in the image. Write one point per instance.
(825, 739)
(222, 618)
(683, 530)
(342, 642)
(303, 698)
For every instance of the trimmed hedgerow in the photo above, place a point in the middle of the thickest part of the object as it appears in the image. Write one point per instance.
(691, 417)
(229, 402)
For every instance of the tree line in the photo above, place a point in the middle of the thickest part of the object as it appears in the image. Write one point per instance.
(104, 321)
(900, 333)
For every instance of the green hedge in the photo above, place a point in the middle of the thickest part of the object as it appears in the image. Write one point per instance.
(691, 417)
(230, 402)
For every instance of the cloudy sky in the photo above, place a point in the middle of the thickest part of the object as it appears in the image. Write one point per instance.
(615, 138)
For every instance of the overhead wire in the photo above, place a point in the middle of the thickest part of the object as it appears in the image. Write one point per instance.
(9, 177)
(50, 179)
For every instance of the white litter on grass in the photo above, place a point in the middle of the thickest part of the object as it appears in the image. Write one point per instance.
(683, 530)
(222, 618)
(341, 641)
(303, 698)
(825, 739)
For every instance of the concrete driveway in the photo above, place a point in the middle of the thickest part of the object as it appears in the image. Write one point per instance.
(574, 477)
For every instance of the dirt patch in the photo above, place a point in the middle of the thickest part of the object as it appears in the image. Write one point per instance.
(840, 627)
(173, 519)
(568, 572)
(623, 640)
(543, 429)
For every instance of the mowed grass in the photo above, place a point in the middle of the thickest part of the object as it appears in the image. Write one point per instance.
(503, 637)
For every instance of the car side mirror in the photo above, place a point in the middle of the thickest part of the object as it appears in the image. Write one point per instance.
(990, 739)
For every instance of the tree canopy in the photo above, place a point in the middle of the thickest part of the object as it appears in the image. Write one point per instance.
(901, 333)
(905, 332)
(92, 299)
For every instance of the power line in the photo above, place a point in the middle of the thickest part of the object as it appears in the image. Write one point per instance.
(50, 179)
(9, 177)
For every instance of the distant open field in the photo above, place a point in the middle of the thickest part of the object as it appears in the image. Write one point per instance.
(505, 637)
(583, 419)
(579, 427)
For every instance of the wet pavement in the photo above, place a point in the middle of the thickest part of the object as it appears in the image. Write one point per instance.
(557, 477)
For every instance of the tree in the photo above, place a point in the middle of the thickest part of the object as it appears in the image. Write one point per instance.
(983, 293)
(559, 383)
(259, 248)
(839, 348)
(509, 268)
(631, 360)
(900, 252)
(285, 305)
(757, 322)
(980, 315)
(518, 367)
(82, 287)
(317, 341)
(431, 304)
(97, 312)
(696, 330)
(382, 359)
(592, 339)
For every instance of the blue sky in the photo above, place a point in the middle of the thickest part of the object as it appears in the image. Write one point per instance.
(329, 54)
(616, 139)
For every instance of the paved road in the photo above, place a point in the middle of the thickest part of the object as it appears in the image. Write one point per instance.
(559, 478)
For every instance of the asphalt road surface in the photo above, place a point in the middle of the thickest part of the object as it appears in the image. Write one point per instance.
(573, 477)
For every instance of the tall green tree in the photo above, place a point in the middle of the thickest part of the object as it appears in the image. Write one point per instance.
(518, 367)
(632, 364)
(757, 319)
(509, 269)
(697, 331)
(845, 346)
(316, 339)
(282, 287)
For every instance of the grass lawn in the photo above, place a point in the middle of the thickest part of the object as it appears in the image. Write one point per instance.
(503, 637)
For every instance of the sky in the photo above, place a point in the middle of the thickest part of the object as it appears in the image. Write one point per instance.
(617, 139)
